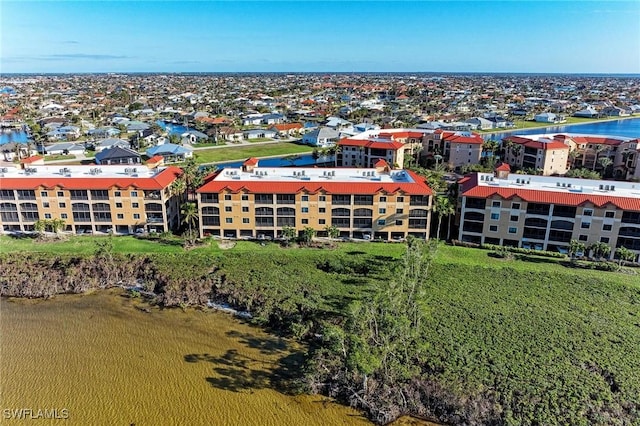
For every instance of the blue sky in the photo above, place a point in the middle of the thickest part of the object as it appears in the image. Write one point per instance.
(263, 36)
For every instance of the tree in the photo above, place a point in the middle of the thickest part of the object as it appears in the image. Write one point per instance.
(57, 225)
(443, 207)
(573, 156)
(600, 250)
(288, 233)
(40, 227)
(189, 213)
(598, 149)
(332, 231)
(576, 247)
(605, 162)
(193, 177)
(307, 234)
(625, 255)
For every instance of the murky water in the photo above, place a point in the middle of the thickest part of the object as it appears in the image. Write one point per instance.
(109, 363)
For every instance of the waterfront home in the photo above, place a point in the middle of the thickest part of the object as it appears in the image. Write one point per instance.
(287, 129)
(588, 112)
(259, 134)
(103, 132)
(231, 134)
(193, 136)
(172, 153)
(365, 203)
(117, 155)
(64, 148)
(110, 143)
(322, 137)
(614, 111)
(64, 132)
(549, 117)
(479, 123)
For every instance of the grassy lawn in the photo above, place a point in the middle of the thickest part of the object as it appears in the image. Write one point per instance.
(243, 152)
(260, 140)
(207, 145)
(59, 157)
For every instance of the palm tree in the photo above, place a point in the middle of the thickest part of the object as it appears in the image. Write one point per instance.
(57, 225)
(573, 156)
(332, 231)
(443, 207)
(605, 162)
(625, 255)
(576, 247)
(40, 226)
(189, 213)
(288, 233)
(307, 234)
(598, 149)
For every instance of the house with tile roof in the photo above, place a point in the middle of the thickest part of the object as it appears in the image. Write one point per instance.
(366, 203)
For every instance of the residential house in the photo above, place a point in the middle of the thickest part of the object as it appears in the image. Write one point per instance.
(172, 153)
(117, 155)
(549, 117)
(322, 137)
(260, 134)
(193, 136)
(479, 123)
(64, 148)
(110, 143)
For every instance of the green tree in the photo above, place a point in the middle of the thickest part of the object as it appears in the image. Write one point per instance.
(189, 212)
(332, 231)
(288, 233)
(57, 225)
(443, 207)
(598, 149)
(307, 234)
(625, 255)
(40, 226)
(600, 250)
(193, 177)
(576, 247)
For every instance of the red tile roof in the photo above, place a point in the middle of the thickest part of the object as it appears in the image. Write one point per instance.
(253, 161)
(31, 159)
(155, 159)
(470, 188)
(286, 126)
(381, 163)
(418, 187)
(531, 143)
(371, 144)
(503, 167)
(159, 181)
(452, 137)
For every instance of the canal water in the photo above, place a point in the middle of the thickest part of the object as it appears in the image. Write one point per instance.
(106, 361)
(629, 128)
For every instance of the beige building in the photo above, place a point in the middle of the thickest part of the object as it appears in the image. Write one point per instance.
(458, 149)
(114, 199)
(537, 152)
(546, 212)
(366, 203)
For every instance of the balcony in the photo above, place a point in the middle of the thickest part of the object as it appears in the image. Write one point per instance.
(155, 219)
(152, 195)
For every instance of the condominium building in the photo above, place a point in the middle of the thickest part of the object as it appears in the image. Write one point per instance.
(115, 199)
(457, 149)
(367, 203)
(391, 145)
(546, 153)
(546, 212)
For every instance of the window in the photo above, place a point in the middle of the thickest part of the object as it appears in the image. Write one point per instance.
(118, 205)
(383, 199)
(134, 193)
(63, 205)
(136, 215)
(382, 222)
(228, 220)
(305, 210)
(117, 194)
(135, 205)
(513, 230)
(495, 204)
(304, 198)
(305, 221)
(400, 199)
(227, 197)
(609, 214)
(63, 216)
(47, 215)
(399, 211)
(245, 209)
(45, 204)
(604, 240)
(514, 218)
(44, 194)
(60, 194)
(321, 221)
(398, 222)
(607, 227)
(228, 209)
(493, 228)
(322, 210)
(322, 198)
(587, 212)
(263, 198)
(120, 216)
(245, 220)
(495, 216)
(245, 197)
(382, 210)
(583, 238)
(585, 225)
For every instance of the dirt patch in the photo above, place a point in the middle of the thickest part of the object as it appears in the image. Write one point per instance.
(226, 245)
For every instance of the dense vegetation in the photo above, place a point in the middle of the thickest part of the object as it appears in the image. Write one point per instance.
(465, 338)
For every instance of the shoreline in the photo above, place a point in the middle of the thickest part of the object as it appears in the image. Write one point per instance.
(548, 125)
